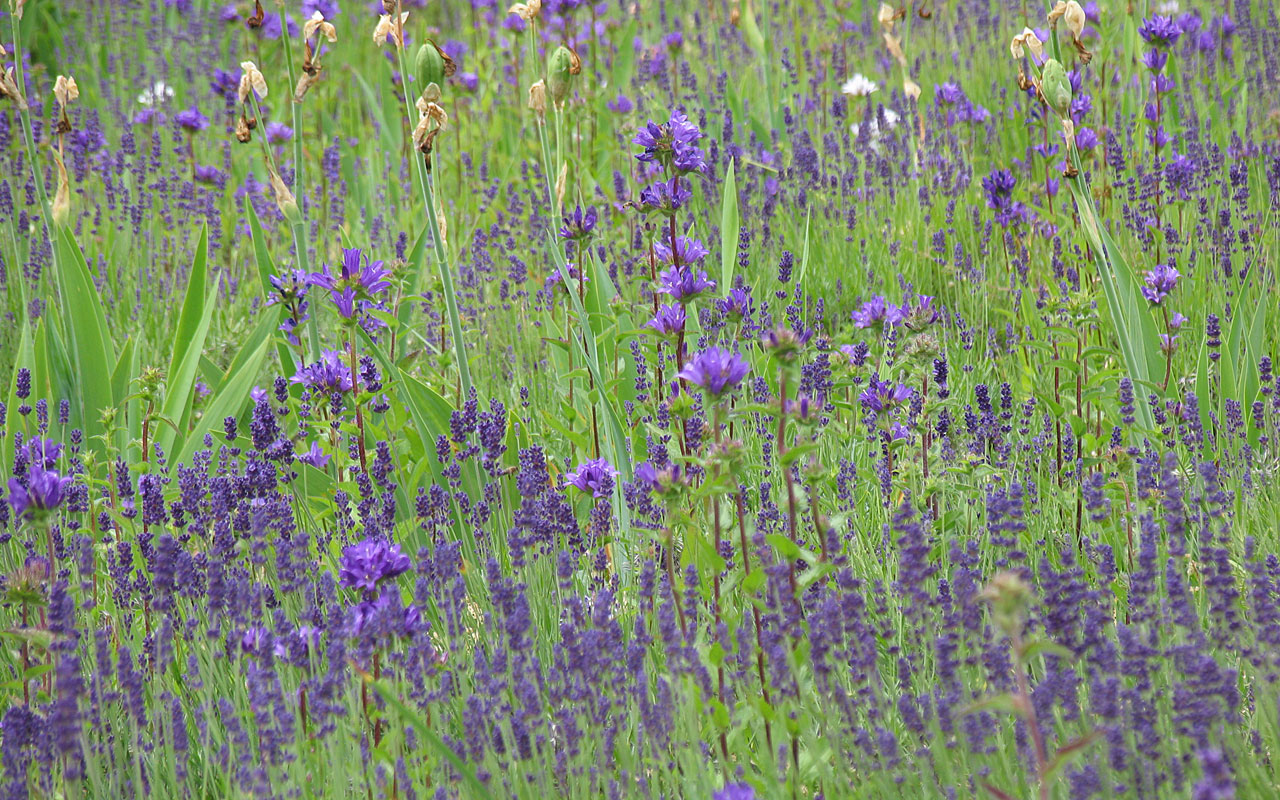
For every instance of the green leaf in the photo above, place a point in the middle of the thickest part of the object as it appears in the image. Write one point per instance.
(230, 397)
(188, 346)
(729, 228)
(266, 270)
(85, 323)
(431, 738)
(785, 547)
(1038, 648)
(1068, 753)
(996, 702)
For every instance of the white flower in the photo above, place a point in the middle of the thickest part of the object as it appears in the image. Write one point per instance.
(874, 132)
(159, 94)
(859, 86)
(1168, 8)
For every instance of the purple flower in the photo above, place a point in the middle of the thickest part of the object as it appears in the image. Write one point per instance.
(669, 320)
(1159, 31)
(871, 313)
(594, 476)
(366, 564)
(315, 456)
(881, 396)
(44, 492)
(1160, 282)
(915, 316)
(950, 93)
(735, 791)
(665, 197)
(278, 132)
(191, 120)
(209, 174)
(673, 144)
(1086, 139)
(684, 284)
(360, 282)
(328, 375)
(384, 616)
(43, 452)
(688, 250)
(579, 224)
(736, 304)
(716, 370)
(620, 105)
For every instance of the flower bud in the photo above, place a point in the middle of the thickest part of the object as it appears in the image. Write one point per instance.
(284, 198)
(1009, 597)
(62, 198)
(1056, 87)
(561, 68)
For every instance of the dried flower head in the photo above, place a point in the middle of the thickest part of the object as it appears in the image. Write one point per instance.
(1030, 41)
(1074, 16)
(251, 79)
(317, 24)
(886, 16)
(284, 198)
(388, 29)
(65, 90)
(538, 98)
(526, 11)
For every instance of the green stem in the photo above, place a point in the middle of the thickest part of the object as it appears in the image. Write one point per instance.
(442, 258)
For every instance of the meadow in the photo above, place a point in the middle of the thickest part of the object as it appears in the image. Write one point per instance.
(731, 400)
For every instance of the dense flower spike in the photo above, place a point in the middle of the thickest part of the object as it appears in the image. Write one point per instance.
(368, 563)
(594, 477)
(673, 145)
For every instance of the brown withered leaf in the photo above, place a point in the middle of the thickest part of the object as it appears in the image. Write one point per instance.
(259, 14)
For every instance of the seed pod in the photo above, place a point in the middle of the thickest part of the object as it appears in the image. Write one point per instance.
(1056, 87)
(560, 72)
(284, 198)
(428, 65)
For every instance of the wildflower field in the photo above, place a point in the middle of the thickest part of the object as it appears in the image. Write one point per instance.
(724, 400)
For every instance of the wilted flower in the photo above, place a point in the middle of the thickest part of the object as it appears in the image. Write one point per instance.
(387, 29)
(65, 90)
(526, 11)
(1029, 40)
(594, 476)
(251, 79)
(317, 24)
(716, 370)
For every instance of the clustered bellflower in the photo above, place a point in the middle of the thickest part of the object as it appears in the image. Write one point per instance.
(366, 564)
(1160, 281)
(673, 145)
(45, 490)
(594, 476)
(329, 375)
(716, 370)
(357, 285)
